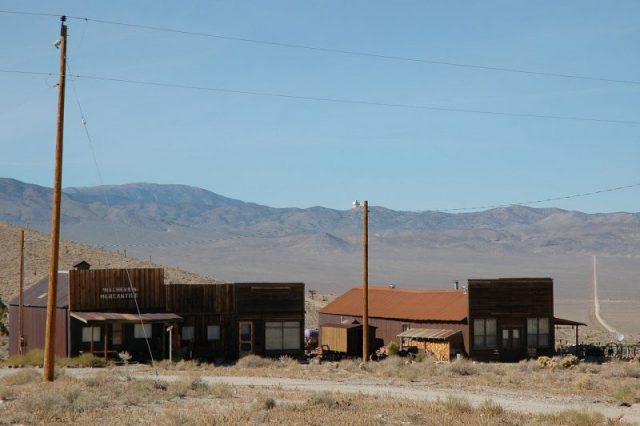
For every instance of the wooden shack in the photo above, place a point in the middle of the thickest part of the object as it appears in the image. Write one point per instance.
(346, 338)
(106, 311)
(443, 344)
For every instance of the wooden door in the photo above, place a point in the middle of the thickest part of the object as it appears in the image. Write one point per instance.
(245, 331)
(511, 344)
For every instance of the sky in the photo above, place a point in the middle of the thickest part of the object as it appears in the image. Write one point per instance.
(286, 152)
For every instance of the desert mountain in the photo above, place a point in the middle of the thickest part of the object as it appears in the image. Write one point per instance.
(198, 230)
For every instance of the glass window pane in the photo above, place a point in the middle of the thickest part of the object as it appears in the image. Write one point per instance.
(478, 326)
(478, 340)
(532, 325)
(516, 333)
(532, 340)
(213, 332)
(491, 326)
(291, 337)
(505, 334)
(187, 332)
(543, 325)
(140, 333)
(543, 340)
(245, 332)
(491, 340)
(273, 338)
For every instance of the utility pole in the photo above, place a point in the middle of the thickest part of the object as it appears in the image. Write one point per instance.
(365, 282)
(20, 300)
(50, 331)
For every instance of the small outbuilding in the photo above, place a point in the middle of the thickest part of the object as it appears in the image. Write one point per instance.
(443, 344)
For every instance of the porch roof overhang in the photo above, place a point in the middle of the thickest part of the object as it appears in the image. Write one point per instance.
(562, 321)
(120, 317)
(428, 333)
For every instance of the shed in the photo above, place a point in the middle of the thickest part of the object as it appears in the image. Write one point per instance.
(442, 343)
(346, 337)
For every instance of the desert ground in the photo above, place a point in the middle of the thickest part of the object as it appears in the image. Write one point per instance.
(261, 391)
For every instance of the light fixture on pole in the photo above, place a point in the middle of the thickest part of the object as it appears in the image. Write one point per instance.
(365, 276)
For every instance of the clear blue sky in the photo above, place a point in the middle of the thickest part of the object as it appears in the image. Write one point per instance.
(283, 152)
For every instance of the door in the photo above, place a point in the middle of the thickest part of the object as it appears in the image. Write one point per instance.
(511, 344)
(246, 337)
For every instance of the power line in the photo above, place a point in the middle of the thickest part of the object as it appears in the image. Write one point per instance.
(336, 100)
(262, 235)
(526, 203)
(340, 51)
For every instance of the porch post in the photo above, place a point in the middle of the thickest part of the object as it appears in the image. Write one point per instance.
(576, 335)
(106, 331)
(91, 344)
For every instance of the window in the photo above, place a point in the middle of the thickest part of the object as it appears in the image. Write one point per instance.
(484, 333)
(282, 335)
(116, 334)
(405, 327)
(537, 332)
(213, 332)
(86, 334)
(187, 332)
(140, 333)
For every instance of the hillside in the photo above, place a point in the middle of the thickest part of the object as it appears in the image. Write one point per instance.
(200, 231)
(37, 258)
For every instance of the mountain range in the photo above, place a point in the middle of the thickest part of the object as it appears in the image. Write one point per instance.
(200, 231)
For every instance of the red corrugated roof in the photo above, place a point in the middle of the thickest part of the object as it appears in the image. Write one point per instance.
(396, 303)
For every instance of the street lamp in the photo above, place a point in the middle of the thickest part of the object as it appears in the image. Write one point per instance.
(365, 276)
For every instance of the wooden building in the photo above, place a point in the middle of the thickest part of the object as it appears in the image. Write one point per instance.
(504, 319)
(346, 338)
(106, 311)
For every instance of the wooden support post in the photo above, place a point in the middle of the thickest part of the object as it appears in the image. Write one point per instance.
(106, 333)
(20, 297)
(576, 335)
(50, 331)
(91, 343)
(365, 283)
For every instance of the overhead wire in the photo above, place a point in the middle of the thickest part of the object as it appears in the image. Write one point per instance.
(108, 205)
(334, 100)
(337, 50)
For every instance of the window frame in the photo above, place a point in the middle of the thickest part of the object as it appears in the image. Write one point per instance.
(278, 331)
(96, 337)
(139, 334)
(214, 327)
(536, 338)
(482, 336)
(191, 333)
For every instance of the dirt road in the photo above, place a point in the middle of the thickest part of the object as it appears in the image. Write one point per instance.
(521, 402)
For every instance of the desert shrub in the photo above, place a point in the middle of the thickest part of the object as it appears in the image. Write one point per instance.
(457, 405)
(183, 387)
(222, 390)
(627, 394)
(22, 377)
(254, 361)
(491, 408)
(393, 349)
(462, 367)
(575, 418)
(285, 362)
(624, 369)
(584, 382)
(33, 358)
(565, 362)
(324, 399)
(84, 360)
(264, 404)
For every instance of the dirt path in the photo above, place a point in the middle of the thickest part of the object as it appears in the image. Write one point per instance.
(508, 400)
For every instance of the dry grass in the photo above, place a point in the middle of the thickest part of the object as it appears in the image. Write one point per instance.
(110, 397)
(561, 377)
(35, 358)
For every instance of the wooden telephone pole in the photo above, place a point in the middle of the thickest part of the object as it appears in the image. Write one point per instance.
(20, 299)
(365, 282)
(50, 332)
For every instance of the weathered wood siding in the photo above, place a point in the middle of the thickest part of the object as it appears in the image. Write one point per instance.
(388, 329)
(510, 301)
(110, 290)
(269, 298)
(334, 337)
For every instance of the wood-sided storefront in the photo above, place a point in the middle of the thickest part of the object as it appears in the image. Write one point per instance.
(116, 310)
